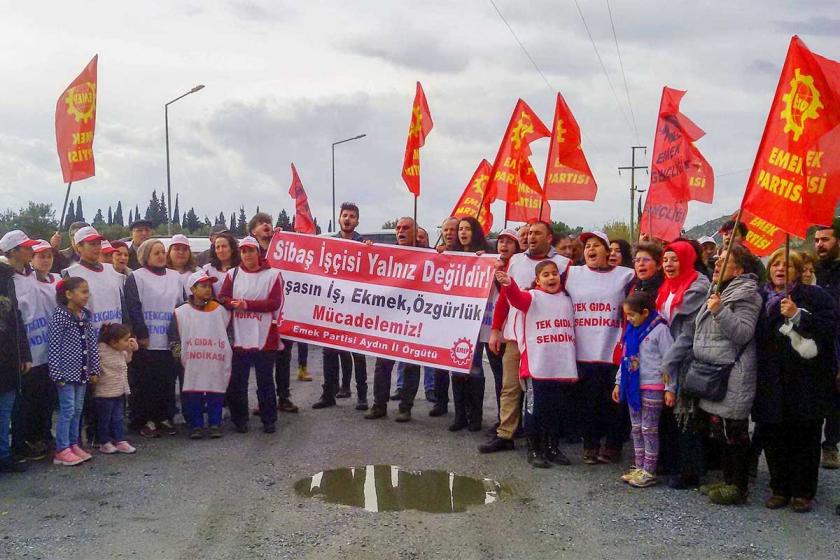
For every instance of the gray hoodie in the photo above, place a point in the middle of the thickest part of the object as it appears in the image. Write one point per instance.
(718, 338)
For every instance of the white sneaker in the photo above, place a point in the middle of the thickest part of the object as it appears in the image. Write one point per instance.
(125, 447)
(108, 448)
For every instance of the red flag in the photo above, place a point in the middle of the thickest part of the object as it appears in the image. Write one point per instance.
(678, 171)
(75, 121)
(474, 201)
(508, 169)
(418, 128)
(795, 180)
(762, 237)
(303, 216)
(527, 206)
(567, 174)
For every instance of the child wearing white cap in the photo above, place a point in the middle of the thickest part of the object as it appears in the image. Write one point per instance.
(198, 335)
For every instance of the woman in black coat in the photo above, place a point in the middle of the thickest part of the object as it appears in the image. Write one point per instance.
(795, 380)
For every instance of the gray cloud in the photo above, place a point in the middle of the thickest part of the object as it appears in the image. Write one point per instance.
(821, 26)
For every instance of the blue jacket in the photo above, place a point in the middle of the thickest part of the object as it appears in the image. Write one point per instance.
(74, 352)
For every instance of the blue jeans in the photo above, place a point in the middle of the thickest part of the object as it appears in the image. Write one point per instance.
(7, 403)
(194, 404)
(428, 377)
(71, 401)
(109, 419)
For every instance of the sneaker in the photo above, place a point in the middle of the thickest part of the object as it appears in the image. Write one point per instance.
(403, 416)
(10, 465)
(196, 433)
(215, 432)
(830, 459)
(496, 444)
(67, 458)
(375, 413)
(35, 451)
(630, 475)
(81, 453)
(643, 480)
(802, 505)
(362, 405)
(303, 375)
(776, 502)
(727, 495)
(168, 428)
(323, 403)
(108, 448)
(285, 405)
(149, 430)
(125, 447)
(343, 394)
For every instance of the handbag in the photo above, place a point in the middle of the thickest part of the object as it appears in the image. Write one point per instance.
(708, 381)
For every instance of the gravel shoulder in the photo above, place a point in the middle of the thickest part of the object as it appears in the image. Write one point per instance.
(234, 498)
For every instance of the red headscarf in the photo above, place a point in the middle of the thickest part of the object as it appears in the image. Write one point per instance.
(686, 255)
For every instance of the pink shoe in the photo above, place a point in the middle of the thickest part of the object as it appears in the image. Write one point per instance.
(81, 453)
(125, 447)
(67, 458)
(107, 448)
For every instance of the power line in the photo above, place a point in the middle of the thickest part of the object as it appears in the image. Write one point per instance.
(623, 75)
(537, 68)
(603, 67)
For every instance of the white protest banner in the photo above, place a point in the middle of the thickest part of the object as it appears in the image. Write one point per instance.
(403, 303)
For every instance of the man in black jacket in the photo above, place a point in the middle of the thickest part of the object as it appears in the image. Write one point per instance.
(827, 270)
(15, 357)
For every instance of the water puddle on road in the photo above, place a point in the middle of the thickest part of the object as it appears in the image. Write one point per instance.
(392, 488)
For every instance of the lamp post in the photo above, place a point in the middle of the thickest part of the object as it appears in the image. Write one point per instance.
(334, 225)
(168, 181)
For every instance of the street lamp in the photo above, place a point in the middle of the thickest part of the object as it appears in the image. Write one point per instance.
(168, 181)
(333, 228)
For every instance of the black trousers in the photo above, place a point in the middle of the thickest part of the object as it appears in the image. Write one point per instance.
(544, 399)
(441, 387)
(237, 393)
(152, 377)
(599, 415)
(347, 360)
(33, 410)
(734, 435)
(282, 370)
(793, 452)
(382, 384)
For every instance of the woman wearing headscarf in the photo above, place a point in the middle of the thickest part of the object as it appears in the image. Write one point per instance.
(796, 367)
(682, 294)
(152, 293)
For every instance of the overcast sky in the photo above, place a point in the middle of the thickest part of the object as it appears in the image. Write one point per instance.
(286, 79)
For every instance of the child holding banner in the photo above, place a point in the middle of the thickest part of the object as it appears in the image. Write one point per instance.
(546, 339)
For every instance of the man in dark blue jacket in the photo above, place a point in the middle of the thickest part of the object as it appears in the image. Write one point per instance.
(827, 270)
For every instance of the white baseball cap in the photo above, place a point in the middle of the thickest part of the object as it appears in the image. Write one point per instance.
(41, 246)
(706, 239)
(599, 234)
(16, 238)
(179, 239)
(107, 248)
(199, 276)
(249, 241)
(87, 233)
(510, 233)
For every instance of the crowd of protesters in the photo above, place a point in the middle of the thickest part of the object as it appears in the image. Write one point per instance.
(675, 347)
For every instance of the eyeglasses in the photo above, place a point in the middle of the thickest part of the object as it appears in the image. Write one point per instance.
(642, 260)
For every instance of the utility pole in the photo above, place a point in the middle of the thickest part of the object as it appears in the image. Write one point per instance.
(633, 190)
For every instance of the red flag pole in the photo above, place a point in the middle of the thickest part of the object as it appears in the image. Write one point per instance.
(64, 209)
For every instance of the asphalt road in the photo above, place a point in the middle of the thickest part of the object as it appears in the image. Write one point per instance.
(234, 498)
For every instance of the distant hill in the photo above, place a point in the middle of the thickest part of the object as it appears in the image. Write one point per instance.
(709, 228)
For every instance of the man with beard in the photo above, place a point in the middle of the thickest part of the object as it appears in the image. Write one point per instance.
(828, 277)
(348, 220)
(406, 231)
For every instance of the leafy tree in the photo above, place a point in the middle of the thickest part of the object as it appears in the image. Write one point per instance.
(221, 219)
(163, 215)
(80, 215)
(70, 216)
(153, 210)
(37, 220)
(617, 230)
(242, 223)
(390, 224)
(283, 221)
(99, 219)
(130, 217)
(136, 214)
(191, 221)
(118, 215)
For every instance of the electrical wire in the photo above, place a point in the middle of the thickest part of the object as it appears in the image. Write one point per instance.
(623, 74)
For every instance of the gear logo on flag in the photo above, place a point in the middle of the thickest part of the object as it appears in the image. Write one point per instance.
(560, 131)
(81, 101)
(801, 104)
(524, 126)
